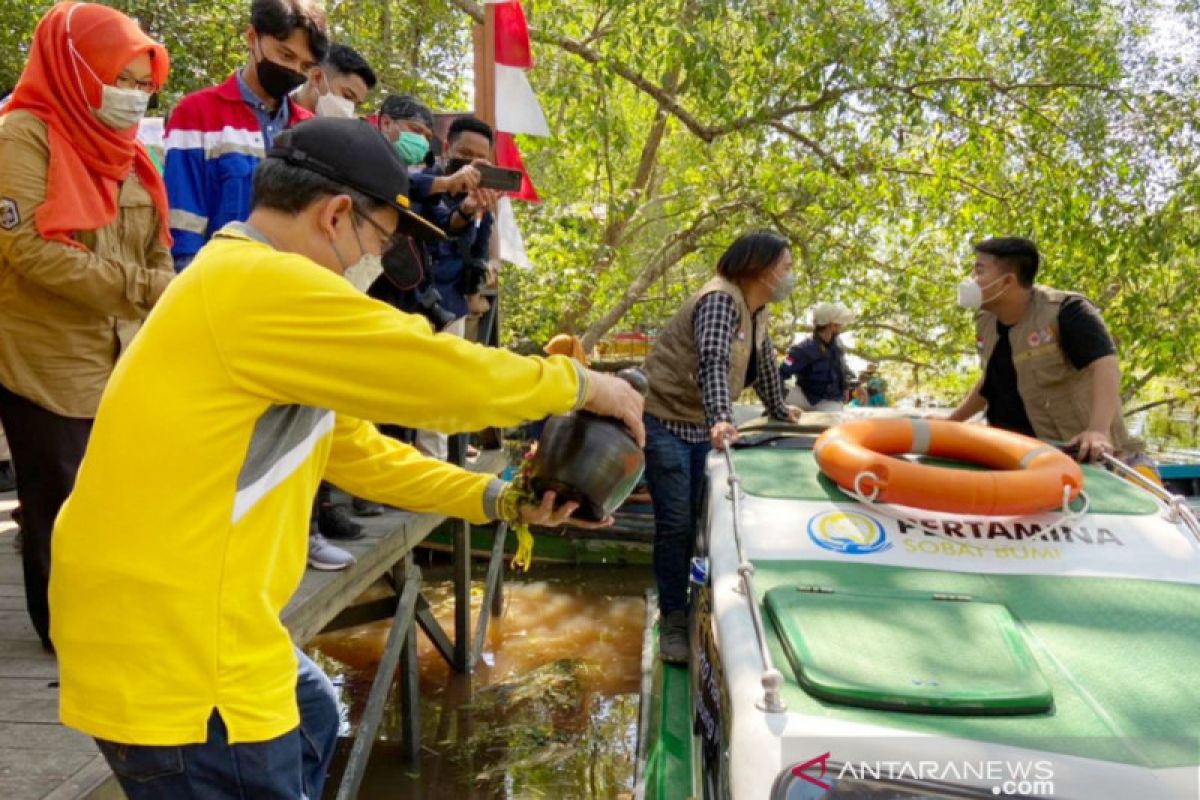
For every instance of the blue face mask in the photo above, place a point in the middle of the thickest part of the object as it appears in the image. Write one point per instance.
(412, 148)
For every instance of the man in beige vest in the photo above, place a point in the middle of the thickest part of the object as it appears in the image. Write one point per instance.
(1049, 364)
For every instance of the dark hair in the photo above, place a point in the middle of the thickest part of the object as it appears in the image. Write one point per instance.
(284, 187)
(468, 125)
(1020, 255)
(346, 61)
(406, 107)
(751, 254)
(278, 18)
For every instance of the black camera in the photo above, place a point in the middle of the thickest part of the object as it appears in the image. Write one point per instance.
(429, 305)
(473, 276)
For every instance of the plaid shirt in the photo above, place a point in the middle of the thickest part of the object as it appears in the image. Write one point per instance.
(714, 325)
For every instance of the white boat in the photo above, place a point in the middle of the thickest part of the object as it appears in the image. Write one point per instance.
(851, 650)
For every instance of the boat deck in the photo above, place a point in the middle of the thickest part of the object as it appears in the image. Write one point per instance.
(42, 760)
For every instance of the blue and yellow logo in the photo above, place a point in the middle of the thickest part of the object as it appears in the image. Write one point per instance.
(850, 532)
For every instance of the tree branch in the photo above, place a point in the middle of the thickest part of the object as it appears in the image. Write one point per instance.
(672, 250)
(920, 173)
(1169, 401)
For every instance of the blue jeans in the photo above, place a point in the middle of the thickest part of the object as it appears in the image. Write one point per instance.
(675, 475)
(288, 767)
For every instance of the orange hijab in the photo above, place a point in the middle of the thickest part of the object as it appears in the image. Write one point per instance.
(88, 160)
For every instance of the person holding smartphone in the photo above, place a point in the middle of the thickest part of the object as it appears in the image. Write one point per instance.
(457, 266)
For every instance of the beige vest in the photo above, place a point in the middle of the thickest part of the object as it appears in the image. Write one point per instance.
(1058, 397)
(672, 365)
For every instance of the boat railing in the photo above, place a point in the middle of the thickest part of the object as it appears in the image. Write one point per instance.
(772, 679)
(1177, 509)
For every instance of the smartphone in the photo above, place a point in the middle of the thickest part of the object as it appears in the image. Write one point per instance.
(506, 180)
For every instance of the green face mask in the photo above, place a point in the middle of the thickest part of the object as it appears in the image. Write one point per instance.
(412, 148)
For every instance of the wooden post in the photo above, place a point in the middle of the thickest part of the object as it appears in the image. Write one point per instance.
(485, 87)
(485, 66)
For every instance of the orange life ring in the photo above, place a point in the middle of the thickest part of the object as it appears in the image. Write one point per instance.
(1025, 476)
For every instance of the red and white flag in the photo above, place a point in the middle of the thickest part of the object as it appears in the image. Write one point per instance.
(512, 36)
(508, 156)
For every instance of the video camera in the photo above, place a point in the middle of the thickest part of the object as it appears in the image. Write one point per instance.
(404, 266)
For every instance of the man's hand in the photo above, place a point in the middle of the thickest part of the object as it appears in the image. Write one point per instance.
(1092, 445)
(794, 413)
(610, 396)
(548, 516)
(461, 182)
(721, 432)
(486, 199)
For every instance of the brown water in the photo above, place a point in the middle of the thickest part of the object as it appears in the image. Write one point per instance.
(551, 711)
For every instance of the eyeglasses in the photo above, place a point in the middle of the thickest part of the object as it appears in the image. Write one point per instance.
(389, 240)
(127, 81)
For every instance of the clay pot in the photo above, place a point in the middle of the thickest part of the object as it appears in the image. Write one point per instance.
(588, 459)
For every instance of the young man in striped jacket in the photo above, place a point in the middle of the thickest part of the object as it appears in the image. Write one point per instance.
(216, 137)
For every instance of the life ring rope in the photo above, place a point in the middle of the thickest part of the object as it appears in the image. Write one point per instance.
(1069, 516)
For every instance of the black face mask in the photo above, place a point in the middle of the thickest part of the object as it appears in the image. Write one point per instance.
(277, 80)
(453, 165)
(404, 263)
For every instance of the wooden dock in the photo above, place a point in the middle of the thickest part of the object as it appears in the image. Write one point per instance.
(42, 760)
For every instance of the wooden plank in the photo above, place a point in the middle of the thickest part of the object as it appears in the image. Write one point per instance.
(40, 666)
(29, 773)
(28, 647)
(44, 736)
(27, 700)
(93, 781)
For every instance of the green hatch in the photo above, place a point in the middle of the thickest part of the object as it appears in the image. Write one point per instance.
(908, 652)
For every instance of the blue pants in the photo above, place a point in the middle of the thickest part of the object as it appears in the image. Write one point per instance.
(675, 475)
(288, 767)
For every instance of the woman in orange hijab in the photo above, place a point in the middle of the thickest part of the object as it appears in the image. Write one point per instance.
(84, 252)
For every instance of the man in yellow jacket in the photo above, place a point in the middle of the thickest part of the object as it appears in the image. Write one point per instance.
(185, 535)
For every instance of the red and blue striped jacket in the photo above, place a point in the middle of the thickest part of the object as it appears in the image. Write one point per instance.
(213, 144)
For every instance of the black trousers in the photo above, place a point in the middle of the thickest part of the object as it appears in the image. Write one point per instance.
(46, 452)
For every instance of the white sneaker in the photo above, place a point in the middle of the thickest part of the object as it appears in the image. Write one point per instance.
(327, 557)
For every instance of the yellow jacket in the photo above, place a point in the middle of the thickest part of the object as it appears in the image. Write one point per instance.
(187, 531)
(65, 313)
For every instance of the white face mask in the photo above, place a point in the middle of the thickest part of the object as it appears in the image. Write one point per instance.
(330, 105)
(781, 290)
(120, 109)
(363, 272)
(970, 293)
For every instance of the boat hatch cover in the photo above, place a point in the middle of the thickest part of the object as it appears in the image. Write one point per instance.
(933, 654)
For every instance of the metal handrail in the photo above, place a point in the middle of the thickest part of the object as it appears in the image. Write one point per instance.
(772, 679)
(1178, 510)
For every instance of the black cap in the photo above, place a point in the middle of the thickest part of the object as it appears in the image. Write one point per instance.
(351, 152)
(405, 106)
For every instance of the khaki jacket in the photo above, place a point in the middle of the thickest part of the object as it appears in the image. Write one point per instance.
(64, 311)
(1058, 397)
(672, 365)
